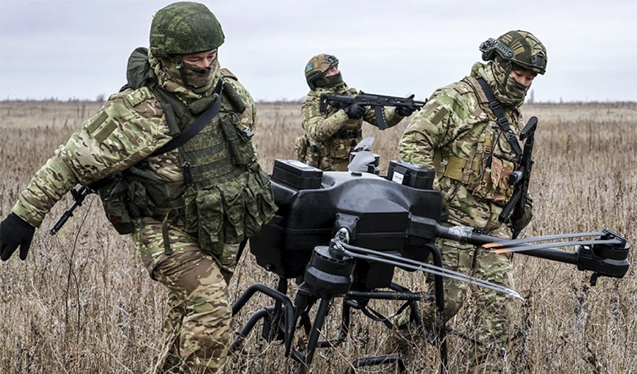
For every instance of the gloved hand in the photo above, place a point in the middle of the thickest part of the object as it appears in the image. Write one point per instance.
(15, 231)
(355, 110)
(405, 111)
(524, 220)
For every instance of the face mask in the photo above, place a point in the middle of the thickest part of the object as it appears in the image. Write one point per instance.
(334, 80)
(514, 89)
(193, 77)
(506, 84)
(329, 82)
(198, 77)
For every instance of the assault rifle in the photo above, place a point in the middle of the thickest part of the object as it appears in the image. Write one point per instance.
(78, 196)
(521, 177)
(379, 102)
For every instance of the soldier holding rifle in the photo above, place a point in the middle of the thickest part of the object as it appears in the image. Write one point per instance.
(468, 133)
(332, 133)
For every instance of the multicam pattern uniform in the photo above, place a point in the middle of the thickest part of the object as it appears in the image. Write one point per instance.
(332, 135)
(456, 133)
(126, 130)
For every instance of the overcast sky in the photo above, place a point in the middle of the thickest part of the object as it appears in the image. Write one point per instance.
(78, 48)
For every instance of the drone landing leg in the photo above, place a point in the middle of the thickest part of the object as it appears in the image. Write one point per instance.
(439, 292)
(343, 332)
(275, 326)
(306, 359)
(287, 313)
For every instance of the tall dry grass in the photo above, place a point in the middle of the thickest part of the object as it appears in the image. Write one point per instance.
(82, 302)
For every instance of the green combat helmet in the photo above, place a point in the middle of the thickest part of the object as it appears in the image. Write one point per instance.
(316, 68)
(521, 48)
(184, 28)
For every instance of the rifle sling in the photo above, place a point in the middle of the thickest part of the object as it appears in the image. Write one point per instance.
(197, 125)
(503, 121)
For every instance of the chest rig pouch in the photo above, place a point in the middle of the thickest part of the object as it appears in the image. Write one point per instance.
(486, 170)
(228, 196)
(494, 184)
(334, 152)
(225, 196)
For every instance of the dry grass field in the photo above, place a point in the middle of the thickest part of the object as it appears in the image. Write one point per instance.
(83, 303)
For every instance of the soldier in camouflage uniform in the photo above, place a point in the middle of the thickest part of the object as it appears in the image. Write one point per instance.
(457, 135)
(187, 209)
(330, 137)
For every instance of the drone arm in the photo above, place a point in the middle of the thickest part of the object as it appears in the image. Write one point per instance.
(608, 256)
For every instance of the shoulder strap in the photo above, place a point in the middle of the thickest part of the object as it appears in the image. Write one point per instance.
(502, 119)
(194, 128)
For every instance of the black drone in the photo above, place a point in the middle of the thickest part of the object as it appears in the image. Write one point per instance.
(341, 235)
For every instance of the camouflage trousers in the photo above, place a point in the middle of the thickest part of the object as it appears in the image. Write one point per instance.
(199, 313)
(488, 319)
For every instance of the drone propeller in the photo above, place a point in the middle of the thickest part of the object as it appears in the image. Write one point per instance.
(365, 144)
(515, 242)
(363, 157)
(387, 258)
(529, 247)
(528, 244)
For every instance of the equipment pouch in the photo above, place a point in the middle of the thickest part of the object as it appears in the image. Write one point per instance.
(313, 155)
(114, 196)
(260, 206)
(300, 148)
(204, 219)
(233, 211)
(494, 184)
(240, 145)
(230, 212)
(340, 149)
(140, 204)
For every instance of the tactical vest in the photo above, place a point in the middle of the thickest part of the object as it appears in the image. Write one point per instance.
(485, 174)
(333, 153)
(225, 196)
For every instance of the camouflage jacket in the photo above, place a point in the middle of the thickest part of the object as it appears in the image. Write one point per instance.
(332, 135)
(128, 128)
(457, 134)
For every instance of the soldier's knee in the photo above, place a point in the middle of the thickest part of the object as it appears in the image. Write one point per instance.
(454, 299)
(208, 318)
(452, 307)
(212, 309)
(429, 313)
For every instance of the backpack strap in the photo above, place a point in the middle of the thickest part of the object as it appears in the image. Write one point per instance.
(194, 128)
(140, 74)
(503, 121)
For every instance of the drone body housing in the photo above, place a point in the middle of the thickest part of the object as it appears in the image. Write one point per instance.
(377, 212)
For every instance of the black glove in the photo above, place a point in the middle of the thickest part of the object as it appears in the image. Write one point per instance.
(15, 231)
(355, 111)
(405, 111)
